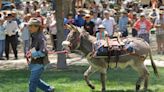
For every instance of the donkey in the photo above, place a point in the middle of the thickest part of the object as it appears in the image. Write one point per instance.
(79, 39)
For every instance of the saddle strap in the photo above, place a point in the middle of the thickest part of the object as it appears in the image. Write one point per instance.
(116, 52)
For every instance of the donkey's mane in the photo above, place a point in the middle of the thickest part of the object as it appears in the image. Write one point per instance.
(85, 34)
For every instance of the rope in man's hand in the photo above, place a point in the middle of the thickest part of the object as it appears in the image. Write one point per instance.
(28, 54)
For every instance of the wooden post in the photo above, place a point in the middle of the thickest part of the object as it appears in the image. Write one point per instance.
(0, 4)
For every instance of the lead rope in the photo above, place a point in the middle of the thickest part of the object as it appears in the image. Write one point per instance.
(49, 52)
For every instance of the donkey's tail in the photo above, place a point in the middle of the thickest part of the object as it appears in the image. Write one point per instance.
(153, 64)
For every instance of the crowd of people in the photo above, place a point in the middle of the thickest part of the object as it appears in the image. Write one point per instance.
(123, 17)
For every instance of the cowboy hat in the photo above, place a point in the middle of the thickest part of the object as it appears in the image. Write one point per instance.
(34, 21)
(101, 27)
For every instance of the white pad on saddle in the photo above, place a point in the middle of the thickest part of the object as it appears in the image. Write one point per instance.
(65, 43)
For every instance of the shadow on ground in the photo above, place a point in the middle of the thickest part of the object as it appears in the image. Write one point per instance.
(125, 91)
(74, 74)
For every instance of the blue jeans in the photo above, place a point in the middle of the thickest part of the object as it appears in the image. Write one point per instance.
(35, 81)
(2, 47)
(26, 46)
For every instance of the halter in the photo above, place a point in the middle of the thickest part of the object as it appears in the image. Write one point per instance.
(78, 40)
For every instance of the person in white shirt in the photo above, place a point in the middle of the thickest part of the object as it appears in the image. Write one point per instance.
(159, 25)
(53, 30)
(25, 33)
(96, 20)
(109, 23)
(11, 30)
(44, 8)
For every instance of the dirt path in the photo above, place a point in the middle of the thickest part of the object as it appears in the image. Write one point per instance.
(75, 59)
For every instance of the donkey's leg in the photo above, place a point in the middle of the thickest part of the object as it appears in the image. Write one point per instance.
(87, 73)
(146, 79)
(103, 82)
(143, 73)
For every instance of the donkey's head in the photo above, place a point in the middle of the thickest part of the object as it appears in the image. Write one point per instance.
(72, 41)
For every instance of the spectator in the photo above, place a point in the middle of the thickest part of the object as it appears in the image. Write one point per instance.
(44, 8)
(159, 24)
(89, 26)
(53, 31)
(11, 28)
(79, 20)
(130, 14)
(153, 15)
(27, 8)
(154, 3)
(2, 39)
(40, 18)
(15, 17)
(135, 6)
(104, 8)
(134, 31)
(35, 5)
(70, 19)
(66, 30)
(25, 34)
(143, 27)
(97, 21)
(123, 24)
(109, 23)
(93, 6)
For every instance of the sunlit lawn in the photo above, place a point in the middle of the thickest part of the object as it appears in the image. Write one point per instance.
(71, 80)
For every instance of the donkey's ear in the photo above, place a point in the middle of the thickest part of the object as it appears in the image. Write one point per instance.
(69, 27)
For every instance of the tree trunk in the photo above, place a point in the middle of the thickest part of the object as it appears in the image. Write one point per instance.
(0, 4)
(53, 4)
(73, 7)
(66, 7)
(61, 60)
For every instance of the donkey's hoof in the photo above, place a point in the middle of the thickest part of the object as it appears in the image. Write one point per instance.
(145, 90)
(91, 86)
(103, 90)
(137, 91)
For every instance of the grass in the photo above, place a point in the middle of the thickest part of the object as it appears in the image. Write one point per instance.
(71, 80)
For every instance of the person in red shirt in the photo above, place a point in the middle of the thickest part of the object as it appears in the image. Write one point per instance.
(143, 27)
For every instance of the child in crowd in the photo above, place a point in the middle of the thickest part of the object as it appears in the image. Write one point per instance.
(101, 37)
